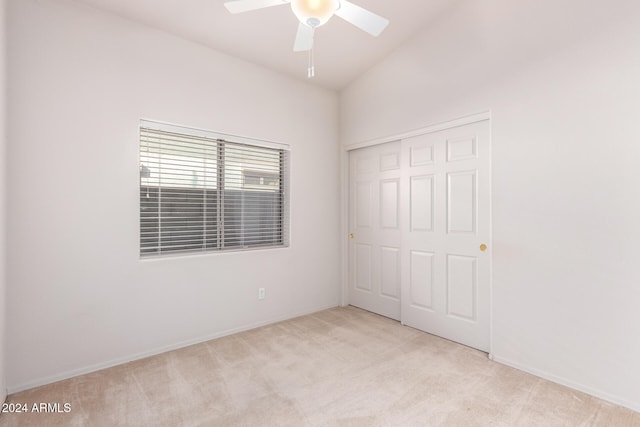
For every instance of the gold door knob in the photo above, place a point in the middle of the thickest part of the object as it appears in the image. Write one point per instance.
(351, 236)
(483, 247)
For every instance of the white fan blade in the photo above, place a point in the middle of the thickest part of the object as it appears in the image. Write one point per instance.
(362, 18)
(239, 6)
(304, 38)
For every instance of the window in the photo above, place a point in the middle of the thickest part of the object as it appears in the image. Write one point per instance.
(259, 179)
(201, 191)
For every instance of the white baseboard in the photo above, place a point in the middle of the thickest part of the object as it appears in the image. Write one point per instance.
(634, 406)
(159, 350)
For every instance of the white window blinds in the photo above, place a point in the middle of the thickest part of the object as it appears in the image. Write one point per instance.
(201, 191)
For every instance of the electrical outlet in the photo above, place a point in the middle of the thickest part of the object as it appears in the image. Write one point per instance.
(261, 293)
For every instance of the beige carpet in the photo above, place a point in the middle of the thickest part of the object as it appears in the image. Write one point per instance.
(340, 367)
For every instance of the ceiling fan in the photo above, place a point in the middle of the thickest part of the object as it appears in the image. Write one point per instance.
(313, 14)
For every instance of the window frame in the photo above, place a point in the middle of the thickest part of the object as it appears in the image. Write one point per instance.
(221, 139)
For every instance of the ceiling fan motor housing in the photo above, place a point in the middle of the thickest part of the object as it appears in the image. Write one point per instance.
(314, 13)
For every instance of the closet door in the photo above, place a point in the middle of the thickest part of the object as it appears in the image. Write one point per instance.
(445, 245)
(375, 227)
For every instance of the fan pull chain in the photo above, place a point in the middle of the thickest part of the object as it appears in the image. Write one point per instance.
(311, 72)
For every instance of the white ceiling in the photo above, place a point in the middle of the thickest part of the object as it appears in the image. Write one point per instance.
(265, 37)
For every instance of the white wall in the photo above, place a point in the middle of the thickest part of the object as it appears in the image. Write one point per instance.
(3, 144)
(561, 81)
(79, 297)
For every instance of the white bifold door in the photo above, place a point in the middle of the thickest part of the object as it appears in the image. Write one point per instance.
(420, 244)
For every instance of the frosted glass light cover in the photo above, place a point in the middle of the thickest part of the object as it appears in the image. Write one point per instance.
(314, 12)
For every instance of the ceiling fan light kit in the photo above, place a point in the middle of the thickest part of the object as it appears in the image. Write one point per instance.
(313, 14)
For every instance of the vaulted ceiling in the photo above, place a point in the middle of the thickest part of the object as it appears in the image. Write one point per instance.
(265, 37)
(505, 31)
